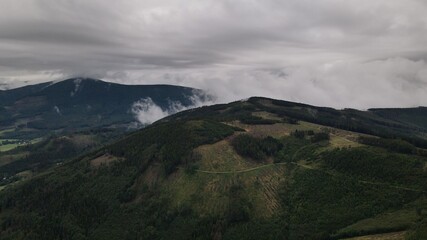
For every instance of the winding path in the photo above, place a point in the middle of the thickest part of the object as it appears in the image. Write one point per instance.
(309, 168)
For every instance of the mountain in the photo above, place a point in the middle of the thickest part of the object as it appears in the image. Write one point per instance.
(8, 97)
(80, 103)
(46, 124)
(254, 169)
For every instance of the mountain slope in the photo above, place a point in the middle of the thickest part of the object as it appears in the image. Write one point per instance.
(77, 104)
(255, 169)
(369, 122)
(50, 113)
(10, 96)
(414, 116)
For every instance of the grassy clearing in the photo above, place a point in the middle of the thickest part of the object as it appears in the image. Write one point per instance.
(221, 157)
(337, 141)
(6, 131)
(266, 115)
(21, 176)
(277, 130)
(25, 174)
(8, 147)
(385, 236)
(209, 195)
(105, 159)
(207, 190)
(401, 219)
(8, 158)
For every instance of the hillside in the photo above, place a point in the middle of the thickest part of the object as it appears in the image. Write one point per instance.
(44, 124)
(255, 169)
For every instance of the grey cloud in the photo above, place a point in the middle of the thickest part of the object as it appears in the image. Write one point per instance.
(303, 50)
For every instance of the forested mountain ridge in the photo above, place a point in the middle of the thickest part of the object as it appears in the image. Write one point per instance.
(254, 169)
(386, 123)
(80, 104)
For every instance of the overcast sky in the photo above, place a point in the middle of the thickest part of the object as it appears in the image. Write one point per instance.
(339, 53)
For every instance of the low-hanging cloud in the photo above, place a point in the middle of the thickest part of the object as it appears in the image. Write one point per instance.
(394, 82)
(146, 111)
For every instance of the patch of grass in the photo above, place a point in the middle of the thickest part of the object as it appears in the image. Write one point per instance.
(337, 141)
(8, 147)
(221, 156)
(6, 131)
(267, 115)
(385, 222)
(277, 130)
(384, 236)
(9, 157)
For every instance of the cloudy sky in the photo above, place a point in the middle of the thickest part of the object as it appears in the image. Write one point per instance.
(339, 53)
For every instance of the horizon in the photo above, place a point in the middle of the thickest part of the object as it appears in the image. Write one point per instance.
(357, 54)
(208, 102)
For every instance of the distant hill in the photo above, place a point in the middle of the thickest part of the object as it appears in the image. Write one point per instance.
(254, 169)
(405, 123)
(416, 117)
(79, 103)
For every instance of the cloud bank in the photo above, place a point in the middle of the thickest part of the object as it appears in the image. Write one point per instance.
(146, 111)
(354, 53)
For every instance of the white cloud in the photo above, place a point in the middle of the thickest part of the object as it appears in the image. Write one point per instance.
(147, 112)
(394, 82)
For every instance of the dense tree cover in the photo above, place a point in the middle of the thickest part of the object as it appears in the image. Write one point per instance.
(395, 145)
(76, 201)
(318, 203)
(318, 137)
(414, 116)
(256, 148)
(240, 207)
(312, 136)
(298, 134)
(374, 164)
